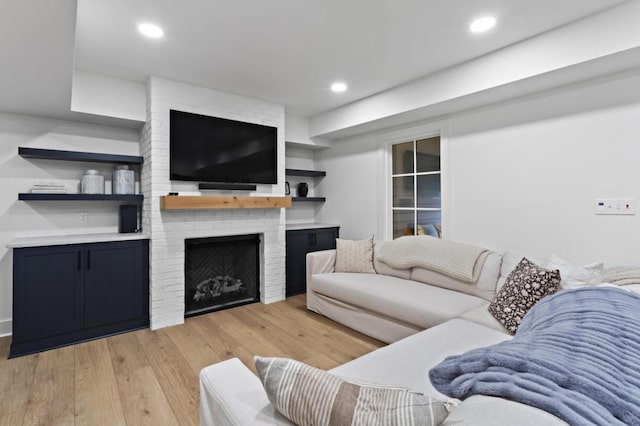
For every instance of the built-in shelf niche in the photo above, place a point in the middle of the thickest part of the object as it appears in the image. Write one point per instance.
(90, 157)
(306, 173)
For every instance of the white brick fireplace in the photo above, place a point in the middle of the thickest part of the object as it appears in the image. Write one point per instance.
(169, 229)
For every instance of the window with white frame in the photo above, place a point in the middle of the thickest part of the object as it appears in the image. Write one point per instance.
(416, 200)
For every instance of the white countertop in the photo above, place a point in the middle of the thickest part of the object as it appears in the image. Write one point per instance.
(57, 240)
(310, 225)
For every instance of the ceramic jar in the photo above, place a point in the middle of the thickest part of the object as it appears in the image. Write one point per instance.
(123, 181)
(303, 189)
(92, 183)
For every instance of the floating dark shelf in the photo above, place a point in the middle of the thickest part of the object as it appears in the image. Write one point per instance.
(95, 157)
(28, 196)
(321, 199)
(310, 173)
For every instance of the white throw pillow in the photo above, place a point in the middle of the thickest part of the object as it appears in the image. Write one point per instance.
(575, 276)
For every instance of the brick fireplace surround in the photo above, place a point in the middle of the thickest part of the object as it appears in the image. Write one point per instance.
(169, 229)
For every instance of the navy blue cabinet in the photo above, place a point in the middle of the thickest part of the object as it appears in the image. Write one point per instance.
(51, 301)
(114, 279)
(299, 243)
(71, 293)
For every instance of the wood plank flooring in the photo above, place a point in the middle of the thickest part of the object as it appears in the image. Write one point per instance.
(151, 377)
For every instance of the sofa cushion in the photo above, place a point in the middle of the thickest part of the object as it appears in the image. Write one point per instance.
(485, 287)
(525, 286)
(354, 256)
(482, 316)
(309, 396)
(405, 300)
(481, 410)
(383, 268)
(407, 362)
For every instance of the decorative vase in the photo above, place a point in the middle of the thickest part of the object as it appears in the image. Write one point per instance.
(123, 181)
(92, 183)
(303, 189)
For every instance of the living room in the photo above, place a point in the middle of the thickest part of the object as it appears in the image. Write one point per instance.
(532, 132)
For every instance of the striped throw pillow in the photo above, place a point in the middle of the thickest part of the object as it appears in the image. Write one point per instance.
(309, 396)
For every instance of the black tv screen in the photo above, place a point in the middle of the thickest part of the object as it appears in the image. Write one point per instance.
(213, 149)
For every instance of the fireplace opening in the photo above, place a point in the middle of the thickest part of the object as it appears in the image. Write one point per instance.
(221, 272)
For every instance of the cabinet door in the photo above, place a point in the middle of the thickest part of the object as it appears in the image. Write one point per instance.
(297, 248)
(48, 291)
(324, 239)
(115, 282)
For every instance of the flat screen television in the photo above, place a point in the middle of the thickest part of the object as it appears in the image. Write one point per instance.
(218, 150)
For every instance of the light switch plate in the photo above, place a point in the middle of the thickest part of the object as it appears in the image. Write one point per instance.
(618, 206)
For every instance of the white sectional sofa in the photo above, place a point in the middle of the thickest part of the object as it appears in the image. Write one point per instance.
(426, 316)
(396, 303)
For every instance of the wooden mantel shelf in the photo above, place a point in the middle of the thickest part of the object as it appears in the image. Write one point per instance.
(197, 202)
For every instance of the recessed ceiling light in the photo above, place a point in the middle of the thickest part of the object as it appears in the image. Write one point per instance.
(483, 24)
(150, 30)
(338, 87)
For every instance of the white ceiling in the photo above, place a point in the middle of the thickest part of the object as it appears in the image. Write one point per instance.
(285, 51)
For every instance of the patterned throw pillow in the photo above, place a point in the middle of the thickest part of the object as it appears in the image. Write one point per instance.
(523, 288)
(354, 256)
(309, 396)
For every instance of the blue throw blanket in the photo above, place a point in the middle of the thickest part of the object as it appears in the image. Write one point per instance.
(575, 355)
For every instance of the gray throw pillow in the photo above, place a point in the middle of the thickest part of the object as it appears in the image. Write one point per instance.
(309, 396)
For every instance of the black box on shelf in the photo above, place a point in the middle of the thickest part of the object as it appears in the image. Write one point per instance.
(128, 218)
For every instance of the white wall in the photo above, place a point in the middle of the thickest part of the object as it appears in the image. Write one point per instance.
(37, 218)
(351, 186)
(296, 132)
(107, 96)
(523, 175)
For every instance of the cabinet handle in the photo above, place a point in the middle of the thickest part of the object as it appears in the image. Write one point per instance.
(88, 259)
(79, 260)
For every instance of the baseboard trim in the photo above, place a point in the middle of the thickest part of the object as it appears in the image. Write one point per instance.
(5, 328)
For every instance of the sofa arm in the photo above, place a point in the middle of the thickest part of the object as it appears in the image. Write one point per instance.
(320, 262)
(231, 395)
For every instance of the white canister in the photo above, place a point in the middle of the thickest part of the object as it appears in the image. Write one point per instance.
(124, 180)
(92, 183)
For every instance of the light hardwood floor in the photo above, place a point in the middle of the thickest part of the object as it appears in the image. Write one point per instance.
(151, 377)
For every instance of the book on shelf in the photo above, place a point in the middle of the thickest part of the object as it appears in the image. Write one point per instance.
(48, 184)
(49, 191)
